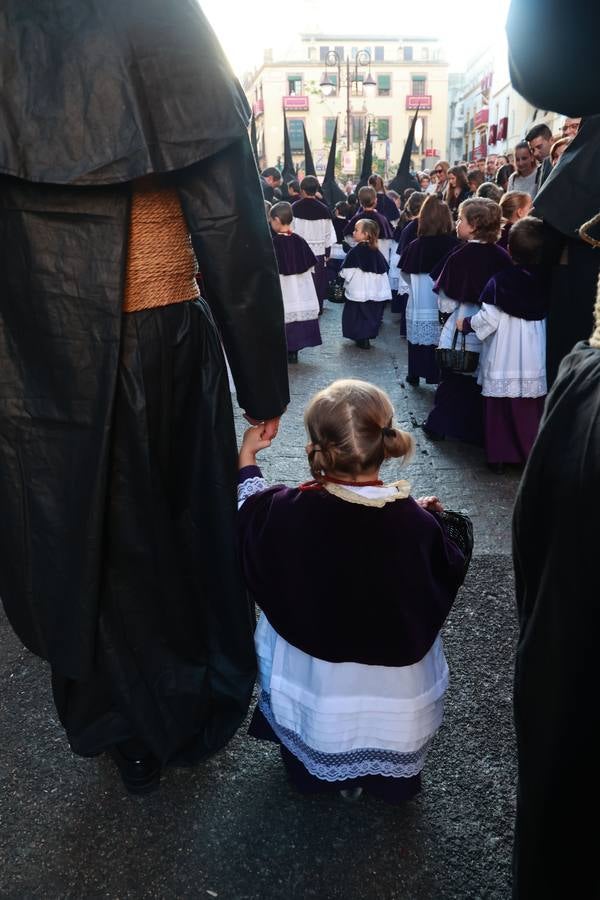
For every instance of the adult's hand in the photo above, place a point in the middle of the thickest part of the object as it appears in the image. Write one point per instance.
(269, 429)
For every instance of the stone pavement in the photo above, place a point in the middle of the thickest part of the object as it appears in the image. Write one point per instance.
(232, 827)
(456, 472)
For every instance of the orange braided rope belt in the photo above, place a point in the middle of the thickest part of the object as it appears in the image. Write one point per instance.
(161, 266)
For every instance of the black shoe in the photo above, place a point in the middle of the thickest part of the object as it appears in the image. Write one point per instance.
(364, 344)
(432, 435)
(412, 379)
(140, 776)
(292, 356)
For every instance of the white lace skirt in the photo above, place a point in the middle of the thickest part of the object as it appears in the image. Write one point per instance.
(345, 720)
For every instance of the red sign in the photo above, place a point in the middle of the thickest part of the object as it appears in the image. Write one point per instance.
(295, 103)
(493, 135)
(413, 101)
(502, 129)
(430, 151)
(258, 107)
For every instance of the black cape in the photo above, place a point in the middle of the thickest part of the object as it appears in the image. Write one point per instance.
(555, 532)
(94, 96)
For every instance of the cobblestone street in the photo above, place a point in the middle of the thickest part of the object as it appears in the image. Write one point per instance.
(456, 472)
(232, 827)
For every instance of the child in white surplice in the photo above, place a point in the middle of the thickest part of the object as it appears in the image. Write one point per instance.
(352, 670)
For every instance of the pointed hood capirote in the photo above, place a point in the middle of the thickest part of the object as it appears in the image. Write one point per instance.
(367, 163)
(88, 90)
(403, 179)
(288, 173)
(309, 166)
(331, 191)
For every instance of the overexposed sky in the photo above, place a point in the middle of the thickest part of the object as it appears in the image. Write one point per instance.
(246, 27)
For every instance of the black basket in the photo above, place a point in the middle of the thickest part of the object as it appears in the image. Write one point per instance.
(457, 359)
(335, 292)
(459, 529)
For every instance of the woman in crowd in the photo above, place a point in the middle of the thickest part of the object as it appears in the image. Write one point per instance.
(457, 190)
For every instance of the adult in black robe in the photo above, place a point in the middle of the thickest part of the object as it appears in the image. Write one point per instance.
(117, 448)
(570, 195)
(554, 528)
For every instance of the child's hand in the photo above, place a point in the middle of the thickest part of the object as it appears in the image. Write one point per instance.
(256, 438)
(459, 324)
(430, 503)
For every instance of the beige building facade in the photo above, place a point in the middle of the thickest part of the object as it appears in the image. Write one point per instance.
(407, 72)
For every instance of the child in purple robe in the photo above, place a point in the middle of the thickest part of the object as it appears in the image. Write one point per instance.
(515, 205)
(367, 286)
(351, 665)
(368, 210)
(458, 406)
(435, 239)
(296, 263)
(313, 223)
(404, 233)
(512, 328)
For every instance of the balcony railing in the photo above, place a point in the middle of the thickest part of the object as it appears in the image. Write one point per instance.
(295, 103)
(414, 100)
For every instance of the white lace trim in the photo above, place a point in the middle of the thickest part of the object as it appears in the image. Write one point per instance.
(250, 486)
(349, 764)
(423, 332)
(514, 387)
(306, 316)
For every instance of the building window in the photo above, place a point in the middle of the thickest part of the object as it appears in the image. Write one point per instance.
(358, 129)
(294, 85)
(379, 54)
(419, 85)
(382, 127)
(353, 53)
(407, 54)
(296, 133)
(323, 52)
(312, 54)
(329, 128)
(340, 53)
(357, 84)
(384, 85)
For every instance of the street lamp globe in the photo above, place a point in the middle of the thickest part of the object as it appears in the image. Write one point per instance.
(369, 85)
(326, 85)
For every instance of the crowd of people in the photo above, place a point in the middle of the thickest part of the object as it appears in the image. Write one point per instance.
(460, 261)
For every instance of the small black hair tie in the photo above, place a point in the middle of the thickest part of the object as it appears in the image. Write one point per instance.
(388, 432)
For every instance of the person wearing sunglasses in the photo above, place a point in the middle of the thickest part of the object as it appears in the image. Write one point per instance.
(441, 175)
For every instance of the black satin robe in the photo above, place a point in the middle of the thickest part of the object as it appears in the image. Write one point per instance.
(114, 92)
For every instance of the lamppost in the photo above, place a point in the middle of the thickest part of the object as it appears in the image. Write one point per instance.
(363, 58)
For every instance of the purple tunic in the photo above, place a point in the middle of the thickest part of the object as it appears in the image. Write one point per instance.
(511, 427)
(316, 601)
(386, 232)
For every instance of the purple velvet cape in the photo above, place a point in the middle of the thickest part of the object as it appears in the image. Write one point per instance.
(408, 234)
(518, 292)
(313, 210)
(345, 582)
(424, 253)
(386, 207)
(294, 256)
(467, 270)
(365, 258)
(385, 229)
